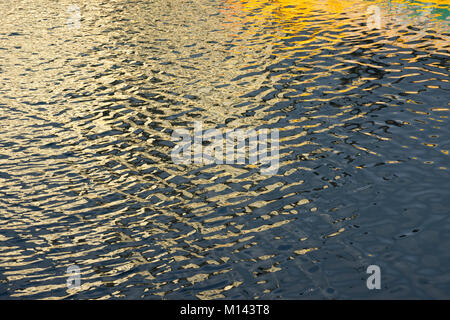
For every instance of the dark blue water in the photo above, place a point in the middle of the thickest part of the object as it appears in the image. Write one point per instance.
(88, 107)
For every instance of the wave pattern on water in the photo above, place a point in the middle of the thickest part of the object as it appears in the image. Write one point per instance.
(86, 176)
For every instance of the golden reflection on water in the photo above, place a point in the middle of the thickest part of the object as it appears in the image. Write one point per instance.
(295, 15)
(87, 114)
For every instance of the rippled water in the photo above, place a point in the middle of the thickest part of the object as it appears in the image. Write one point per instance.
(86, 176)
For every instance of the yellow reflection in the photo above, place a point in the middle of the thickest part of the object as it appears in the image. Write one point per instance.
(323, 21)
(300, 11)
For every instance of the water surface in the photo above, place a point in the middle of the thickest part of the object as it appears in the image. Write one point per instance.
(86, 176)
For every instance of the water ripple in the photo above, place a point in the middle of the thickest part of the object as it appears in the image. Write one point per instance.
(86, 176)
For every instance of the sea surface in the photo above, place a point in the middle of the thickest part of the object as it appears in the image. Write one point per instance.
(91, 92)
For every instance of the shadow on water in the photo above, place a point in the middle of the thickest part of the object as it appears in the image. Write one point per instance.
(86, 176)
